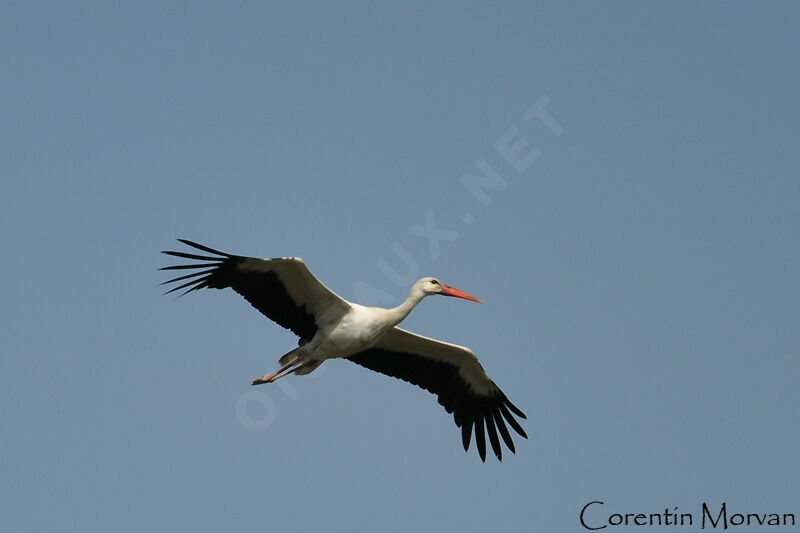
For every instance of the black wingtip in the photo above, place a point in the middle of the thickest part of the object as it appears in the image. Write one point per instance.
(193, 286)
(511, 421)
(466, 434)
(184, 255)
(187, 276)
(515, 409)
(501, 427)
(480, 438)
(204, 248)
(493, 440)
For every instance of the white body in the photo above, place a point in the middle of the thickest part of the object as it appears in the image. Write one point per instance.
(360, 328)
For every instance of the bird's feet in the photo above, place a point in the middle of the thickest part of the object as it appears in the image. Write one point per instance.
(266, 378)
(285, 370)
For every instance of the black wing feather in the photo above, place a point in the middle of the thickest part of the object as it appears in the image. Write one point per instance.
(187, 276)
(470, 409)
(501, 426)
(466, 433)
(480, 438)
(492, 431)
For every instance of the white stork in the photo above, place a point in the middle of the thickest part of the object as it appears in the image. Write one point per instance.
(286, 291)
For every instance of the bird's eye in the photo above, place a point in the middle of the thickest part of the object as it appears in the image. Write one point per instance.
(434, 282)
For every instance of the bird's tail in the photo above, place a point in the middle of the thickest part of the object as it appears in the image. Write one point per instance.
(284, 360)
(307, 367)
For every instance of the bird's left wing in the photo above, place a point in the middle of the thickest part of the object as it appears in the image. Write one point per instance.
(456, 376)
(283, 289)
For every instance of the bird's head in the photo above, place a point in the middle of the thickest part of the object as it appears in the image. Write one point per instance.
(434, 286)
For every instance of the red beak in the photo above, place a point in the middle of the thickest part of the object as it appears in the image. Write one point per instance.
(452, 291)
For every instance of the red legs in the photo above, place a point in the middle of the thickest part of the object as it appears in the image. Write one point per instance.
(296, 363)
(284, 371)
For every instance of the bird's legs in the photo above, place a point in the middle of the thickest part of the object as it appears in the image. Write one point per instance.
(293, 364)
(284, 371)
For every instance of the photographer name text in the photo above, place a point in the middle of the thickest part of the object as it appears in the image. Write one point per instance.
(595, 516)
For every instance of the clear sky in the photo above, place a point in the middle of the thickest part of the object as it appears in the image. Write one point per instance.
(636, 246)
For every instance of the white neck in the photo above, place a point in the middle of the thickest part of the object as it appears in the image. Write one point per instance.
(397, 314)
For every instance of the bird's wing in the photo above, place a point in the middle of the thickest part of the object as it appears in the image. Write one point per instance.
(283, 289)
(454, 374)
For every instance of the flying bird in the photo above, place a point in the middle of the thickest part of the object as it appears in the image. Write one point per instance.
(329, 327)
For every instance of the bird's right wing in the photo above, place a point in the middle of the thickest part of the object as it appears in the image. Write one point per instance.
(283, 289)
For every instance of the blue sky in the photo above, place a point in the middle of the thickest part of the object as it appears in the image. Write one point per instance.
(639, 273)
